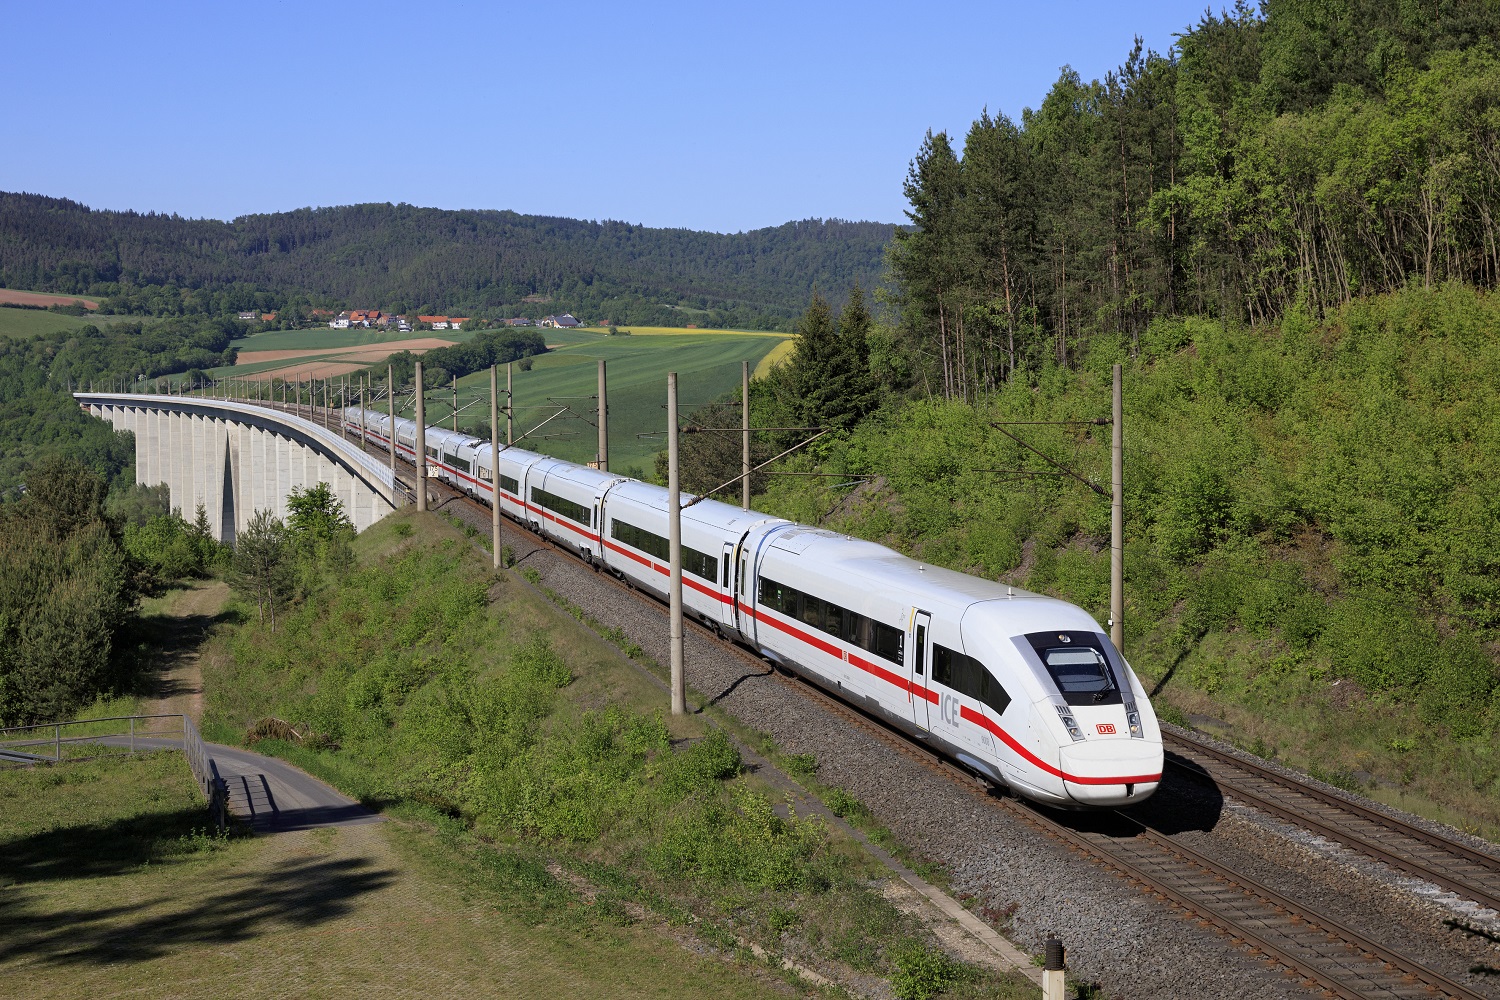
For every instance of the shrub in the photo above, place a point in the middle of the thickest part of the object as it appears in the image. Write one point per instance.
(923, 972)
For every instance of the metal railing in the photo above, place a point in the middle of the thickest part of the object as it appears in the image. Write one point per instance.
(18, 745)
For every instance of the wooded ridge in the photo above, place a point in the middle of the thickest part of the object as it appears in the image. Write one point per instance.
(401, 258)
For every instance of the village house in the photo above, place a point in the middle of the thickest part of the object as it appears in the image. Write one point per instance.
(457, 322)
(436, 322)
(339, 322)
(269, 317)
(565, 321)
(248, 315)
(518, 321)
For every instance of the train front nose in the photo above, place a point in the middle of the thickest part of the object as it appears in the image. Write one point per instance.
(1111, 772)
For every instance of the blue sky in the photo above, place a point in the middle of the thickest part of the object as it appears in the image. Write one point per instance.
(722, 116)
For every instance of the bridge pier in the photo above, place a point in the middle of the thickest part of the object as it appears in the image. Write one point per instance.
(236, 458)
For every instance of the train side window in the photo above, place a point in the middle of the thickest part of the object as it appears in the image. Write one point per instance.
(509, 485)
(812, 611)
(885, 641)
(849, 626)
(920, 653)
(968, 676)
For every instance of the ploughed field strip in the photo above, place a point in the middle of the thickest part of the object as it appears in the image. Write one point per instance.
(1323, 953)
(1443, 861)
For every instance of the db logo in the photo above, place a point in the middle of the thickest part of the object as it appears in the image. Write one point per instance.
(1106, 728)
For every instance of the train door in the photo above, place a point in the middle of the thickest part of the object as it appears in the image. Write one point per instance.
(744, 601)
(728, 609)
(921, 666)
(596, 548)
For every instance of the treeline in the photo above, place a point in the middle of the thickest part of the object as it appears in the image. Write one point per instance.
(400, 258)
(1301, 154)
(40, 418)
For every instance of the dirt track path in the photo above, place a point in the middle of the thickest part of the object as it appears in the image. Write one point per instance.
(183, 624)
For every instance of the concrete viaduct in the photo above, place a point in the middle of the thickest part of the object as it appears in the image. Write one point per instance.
(236, 458)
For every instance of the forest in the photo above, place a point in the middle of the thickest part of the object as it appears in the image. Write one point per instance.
(1295, 155)
(400, 258)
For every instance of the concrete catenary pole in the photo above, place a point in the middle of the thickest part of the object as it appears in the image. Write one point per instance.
(1117, 521)
(510, 408)
(603, 422)
(745, 435)
(421, 442)
(390, 399)
(455, 404)
(674, 549)
(495, 463)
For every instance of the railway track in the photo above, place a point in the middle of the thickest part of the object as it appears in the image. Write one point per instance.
(1325, 954)
(1444, 862)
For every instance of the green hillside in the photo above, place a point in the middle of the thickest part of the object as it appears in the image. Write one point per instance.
(1312, 528)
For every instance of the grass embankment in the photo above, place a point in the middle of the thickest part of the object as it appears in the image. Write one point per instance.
(472, 708)
(1312, 532)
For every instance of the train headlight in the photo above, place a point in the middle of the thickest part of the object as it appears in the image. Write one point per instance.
(1134, 718)
(1071, 724)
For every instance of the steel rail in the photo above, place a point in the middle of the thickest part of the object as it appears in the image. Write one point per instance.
(1392, 823)
(1305, 920)
(1359, 944)
(1389, 855)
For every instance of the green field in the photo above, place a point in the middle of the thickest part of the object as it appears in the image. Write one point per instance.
(29, 322)
(707, 366)
(707, 363)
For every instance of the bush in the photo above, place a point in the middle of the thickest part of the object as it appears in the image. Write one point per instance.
(923, 972)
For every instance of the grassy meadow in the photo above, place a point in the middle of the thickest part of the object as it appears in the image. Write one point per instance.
(30, 322)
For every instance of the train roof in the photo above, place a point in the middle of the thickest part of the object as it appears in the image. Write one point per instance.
(873, 562)
(714, 513)
(572, 472)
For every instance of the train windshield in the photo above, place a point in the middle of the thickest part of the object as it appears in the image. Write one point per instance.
(1079, 667)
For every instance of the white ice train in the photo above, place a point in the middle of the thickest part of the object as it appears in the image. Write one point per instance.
(1023, 689)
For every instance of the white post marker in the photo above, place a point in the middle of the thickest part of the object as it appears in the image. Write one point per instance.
(674, 549)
